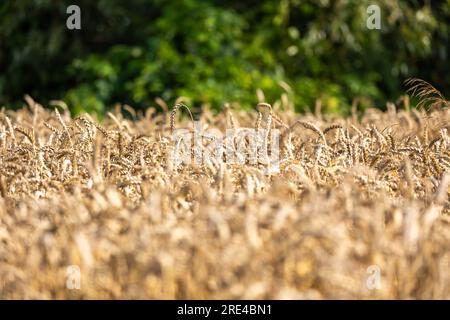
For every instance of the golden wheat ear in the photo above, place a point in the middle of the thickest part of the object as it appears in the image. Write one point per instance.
(174, 113)
(428, 95)
(230, 116)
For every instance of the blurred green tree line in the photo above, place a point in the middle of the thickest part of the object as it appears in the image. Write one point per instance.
(211, 52)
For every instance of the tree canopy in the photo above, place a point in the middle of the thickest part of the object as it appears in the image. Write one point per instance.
(212, 52)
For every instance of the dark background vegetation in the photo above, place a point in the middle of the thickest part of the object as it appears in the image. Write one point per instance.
(132, 51)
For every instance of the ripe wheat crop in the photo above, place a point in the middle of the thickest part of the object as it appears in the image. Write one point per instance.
(353, 192)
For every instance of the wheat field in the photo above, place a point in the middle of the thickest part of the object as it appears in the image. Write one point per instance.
(353, 194)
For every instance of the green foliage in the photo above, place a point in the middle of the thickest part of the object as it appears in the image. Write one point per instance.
(213, 52)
